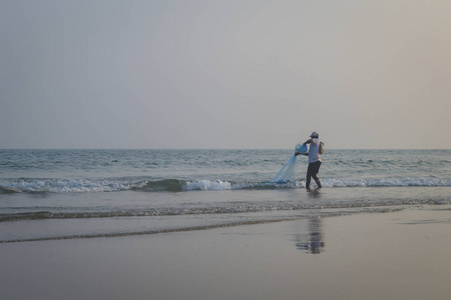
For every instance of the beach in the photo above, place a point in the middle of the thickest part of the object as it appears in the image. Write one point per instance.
(164, 150)
(211, 224)
(399, 254)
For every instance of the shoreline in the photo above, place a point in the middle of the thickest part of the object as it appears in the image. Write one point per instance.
(87, 228)
(392, 255)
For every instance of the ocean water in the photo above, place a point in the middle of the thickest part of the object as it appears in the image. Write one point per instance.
(63, 194)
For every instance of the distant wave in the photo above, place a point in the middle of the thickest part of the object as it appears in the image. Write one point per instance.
(175, 185)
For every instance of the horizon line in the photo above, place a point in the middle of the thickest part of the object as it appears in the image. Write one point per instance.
(1, 149)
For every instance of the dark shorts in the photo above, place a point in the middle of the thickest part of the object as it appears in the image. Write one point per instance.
(313, 168)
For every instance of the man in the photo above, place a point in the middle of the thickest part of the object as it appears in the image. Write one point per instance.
(314, 159)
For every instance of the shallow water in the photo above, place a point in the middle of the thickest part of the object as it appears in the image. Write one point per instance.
(47, 194)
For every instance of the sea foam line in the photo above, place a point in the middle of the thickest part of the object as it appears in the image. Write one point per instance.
(174, 185)
(67, 186)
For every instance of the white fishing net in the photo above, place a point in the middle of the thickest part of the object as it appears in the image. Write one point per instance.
(286, 173)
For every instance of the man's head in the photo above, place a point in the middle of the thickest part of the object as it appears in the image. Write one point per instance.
(314, 135)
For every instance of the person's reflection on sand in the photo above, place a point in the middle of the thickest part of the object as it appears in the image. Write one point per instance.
(313, 240)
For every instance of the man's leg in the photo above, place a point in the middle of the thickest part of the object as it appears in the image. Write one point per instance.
(310, 172)
(318, 182)
(307, 183)
(313, 170)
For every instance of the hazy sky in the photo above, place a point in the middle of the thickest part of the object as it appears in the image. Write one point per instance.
(225, 74)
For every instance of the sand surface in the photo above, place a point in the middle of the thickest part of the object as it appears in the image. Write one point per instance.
(396, 255)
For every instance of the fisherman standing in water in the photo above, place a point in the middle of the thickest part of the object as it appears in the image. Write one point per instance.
(314, 159)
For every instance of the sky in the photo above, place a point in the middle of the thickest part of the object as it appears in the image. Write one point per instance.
(235, 74)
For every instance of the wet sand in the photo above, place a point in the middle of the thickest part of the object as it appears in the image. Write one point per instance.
(396, 255)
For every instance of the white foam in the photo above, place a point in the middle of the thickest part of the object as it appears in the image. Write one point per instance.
(208, 185)
(114, 185)
(69, 186)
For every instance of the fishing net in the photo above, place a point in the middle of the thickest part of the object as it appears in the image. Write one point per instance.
(286, 173)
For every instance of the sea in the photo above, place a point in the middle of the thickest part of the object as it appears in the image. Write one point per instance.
(69, 194)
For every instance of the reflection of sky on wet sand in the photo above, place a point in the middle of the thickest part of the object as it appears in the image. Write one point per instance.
(398, 255)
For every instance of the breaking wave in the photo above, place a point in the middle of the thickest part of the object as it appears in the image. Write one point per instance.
(175, 185)
(66, 186)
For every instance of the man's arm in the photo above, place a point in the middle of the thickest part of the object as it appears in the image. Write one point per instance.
(306, 154)
(305, 143)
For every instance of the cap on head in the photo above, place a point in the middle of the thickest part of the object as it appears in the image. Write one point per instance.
(314, 134)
